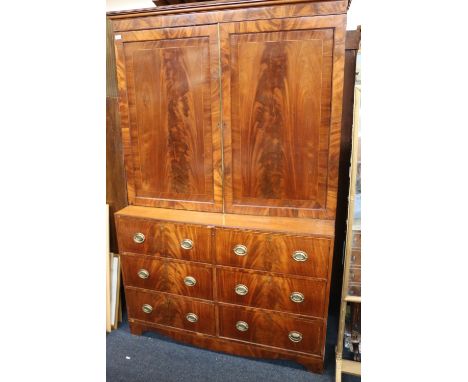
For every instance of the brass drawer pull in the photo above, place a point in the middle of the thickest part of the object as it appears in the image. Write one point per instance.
(143, 274)
(241, 289)
(242, 326)
(190, 281)
(296, 297)
(147, 308)
(191, 317)
(138, 238)
(240, 250)
(186, 244)
(295, 336)
(300, 256)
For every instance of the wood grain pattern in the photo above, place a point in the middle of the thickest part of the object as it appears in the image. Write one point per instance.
(273, 252)
(263, 323)
(312, 227)
(311, 362)
(164, 239)
(272, 292)
(169, 88)
(281, 142)
(167, 275)
(222, 13)
(170, 310)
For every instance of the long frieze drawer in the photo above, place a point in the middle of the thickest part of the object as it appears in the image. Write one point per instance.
(289, 294)
(150, 237)
(175, 311)
(169, 276)
(299, 255)
(271, 328)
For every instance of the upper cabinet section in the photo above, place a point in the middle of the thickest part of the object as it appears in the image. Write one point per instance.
(282, 113)
(233, 106)
(169, 89)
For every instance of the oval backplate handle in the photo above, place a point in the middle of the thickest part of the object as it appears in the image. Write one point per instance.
(241, 289)
(190, 281)
(300, 256)
(242, 326)
(295, 336)
(240, 250)
(138, 238)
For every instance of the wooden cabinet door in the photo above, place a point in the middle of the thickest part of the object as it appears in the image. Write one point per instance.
(282, 83)
(169, 104)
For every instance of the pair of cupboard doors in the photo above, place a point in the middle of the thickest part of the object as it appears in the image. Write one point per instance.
(240, 117)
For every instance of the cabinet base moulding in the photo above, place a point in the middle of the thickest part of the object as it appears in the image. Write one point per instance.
(310, 362)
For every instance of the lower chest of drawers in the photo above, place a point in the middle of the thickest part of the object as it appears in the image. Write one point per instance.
(242, 291)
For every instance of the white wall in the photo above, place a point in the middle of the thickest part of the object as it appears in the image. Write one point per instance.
(120, 5)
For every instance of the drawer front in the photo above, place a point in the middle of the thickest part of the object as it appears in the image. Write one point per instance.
(355, 275)
(179, 241)
(271, 292)
(354, 289)
(169, 276)
(270, 328)
(299, 255)
(175, 311)
(356, 257)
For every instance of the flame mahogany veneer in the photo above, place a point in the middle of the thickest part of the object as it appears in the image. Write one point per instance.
(231, 120)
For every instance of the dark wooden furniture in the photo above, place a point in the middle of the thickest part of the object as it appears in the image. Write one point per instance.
(231, 123)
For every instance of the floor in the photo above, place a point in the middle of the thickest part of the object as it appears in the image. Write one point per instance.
(153, 357)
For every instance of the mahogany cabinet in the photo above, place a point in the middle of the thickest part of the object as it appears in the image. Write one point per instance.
(231, 120)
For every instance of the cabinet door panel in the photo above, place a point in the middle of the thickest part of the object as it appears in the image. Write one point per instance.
(280, 82)
(169, 85)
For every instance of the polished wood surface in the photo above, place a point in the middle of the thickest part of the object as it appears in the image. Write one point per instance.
(170, 310)
(116, 193)
(311, 227)
(280, 94)
(282, 115)
(273, 252)
(261, 325)
(312, 362)
(164, 239)
(167, 275)
(271, 291)
(230, 115)
(182, 15)
(168, 81)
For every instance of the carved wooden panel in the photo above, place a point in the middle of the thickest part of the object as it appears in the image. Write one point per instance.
(272, 292)
(164, 239)
(167, 276)
(262, 323)
(169, 87)
(282, 109)
(280, 253)
(171, 310)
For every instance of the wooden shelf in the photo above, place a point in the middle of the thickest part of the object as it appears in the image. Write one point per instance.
(350, 367)
(353, 299)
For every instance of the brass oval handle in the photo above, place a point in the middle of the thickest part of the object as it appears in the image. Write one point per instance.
(138, 238)
(147, 308)
(186, 244)
(295, 336)
(190, 281)
(300, 256)
(242, 326)
(240, 250)
(296, 297)
(241, 289)
(143, 274)
(191, 317)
